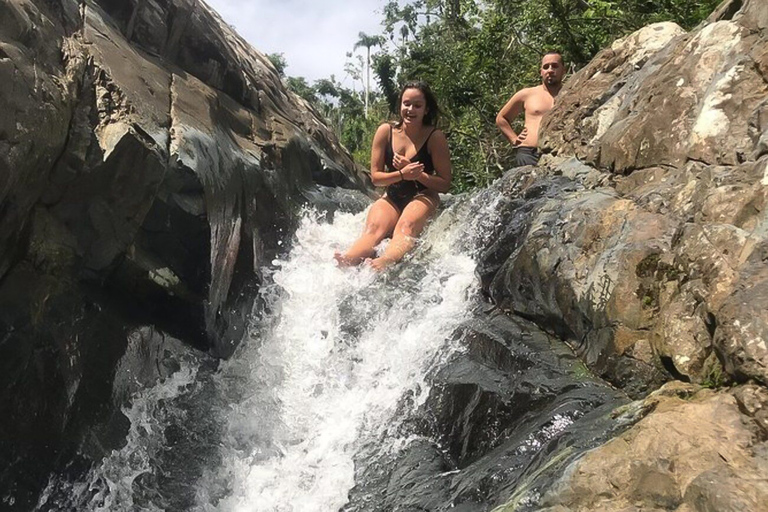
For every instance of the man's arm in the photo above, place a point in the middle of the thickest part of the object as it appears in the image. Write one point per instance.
(507, 115)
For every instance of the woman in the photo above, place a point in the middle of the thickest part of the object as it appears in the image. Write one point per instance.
(412, 160)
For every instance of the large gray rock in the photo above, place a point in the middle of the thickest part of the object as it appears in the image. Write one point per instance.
(510, 410)
(696, 450)
(662, 97)
(150, 160)
(641, 240)
(649, 256)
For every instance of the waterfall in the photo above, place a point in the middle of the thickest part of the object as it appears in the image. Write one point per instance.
(333, 359)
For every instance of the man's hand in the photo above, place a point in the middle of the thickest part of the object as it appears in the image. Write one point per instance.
(520, 137)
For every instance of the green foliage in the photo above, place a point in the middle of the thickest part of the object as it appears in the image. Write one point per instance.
(386, 69)
(715, 378)
(299, 85)
(475, 55)
(278, 60)
(367, 41)
(580, 371)
(713, 374)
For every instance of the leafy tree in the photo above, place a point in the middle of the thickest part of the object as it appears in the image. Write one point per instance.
(355, 69)
(299, 85)
(385, 67)
(278, 60)
(364, 40)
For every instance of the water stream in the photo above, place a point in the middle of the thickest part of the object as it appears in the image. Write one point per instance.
(353, 391)
(329, 356)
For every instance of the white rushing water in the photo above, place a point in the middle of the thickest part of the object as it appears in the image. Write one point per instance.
(110, 486)
(328, 371)
(321, 373)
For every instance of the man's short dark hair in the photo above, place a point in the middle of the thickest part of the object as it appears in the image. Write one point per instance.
(554, 52)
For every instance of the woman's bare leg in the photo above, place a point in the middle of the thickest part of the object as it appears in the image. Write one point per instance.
(380, 222)
(409, 226)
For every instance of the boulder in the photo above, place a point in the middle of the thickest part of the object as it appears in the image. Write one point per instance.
(150, 161)
(510, 410)
(647, 252)
(696, 451)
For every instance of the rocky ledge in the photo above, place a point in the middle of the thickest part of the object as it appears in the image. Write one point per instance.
(642, 240)
(150, 160)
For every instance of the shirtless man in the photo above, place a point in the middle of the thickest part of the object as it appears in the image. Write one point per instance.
(535, 102)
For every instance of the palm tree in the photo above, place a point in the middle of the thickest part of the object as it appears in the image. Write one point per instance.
(364, 39)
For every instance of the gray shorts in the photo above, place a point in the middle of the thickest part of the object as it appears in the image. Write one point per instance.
(526, 156)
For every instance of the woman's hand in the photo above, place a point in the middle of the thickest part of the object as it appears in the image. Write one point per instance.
(412, 171)
(399, 161)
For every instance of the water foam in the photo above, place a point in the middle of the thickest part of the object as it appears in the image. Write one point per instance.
(324, 372)
(344, 347)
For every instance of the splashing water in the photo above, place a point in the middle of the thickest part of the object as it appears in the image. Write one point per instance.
(110, 485)
(343, 348)
(324, 370)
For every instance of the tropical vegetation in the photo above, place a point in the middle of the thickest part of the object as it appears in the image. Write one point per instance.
(475, 55)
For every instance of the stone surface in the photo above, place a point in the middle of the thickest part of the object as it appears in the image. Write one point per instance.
(695, 451)
(150, 160)
(619, 112)
(645, 225)
(509, 411)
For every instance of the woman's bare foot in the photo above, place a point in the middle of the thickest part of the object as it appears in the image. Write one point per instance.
(344, 261)
(379, 264)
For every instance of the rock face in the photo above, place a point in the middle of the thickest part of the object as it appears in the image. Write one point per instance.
(149, 159)
(641, 240)
(508, 412)
(696, 451)
(646, 245)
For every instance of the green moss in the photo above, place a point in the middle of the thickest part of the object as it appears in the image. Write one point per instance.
(521, 495)
(652, 273)
(581, 372)
(714, 375)
(648, 265)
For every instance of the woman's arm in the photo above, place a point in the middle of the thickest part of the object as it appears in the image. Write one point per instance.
(441, 158)
(379, 176)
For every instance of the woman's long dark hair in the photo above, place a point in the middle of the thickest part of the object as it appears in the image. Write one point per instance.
(432, 110)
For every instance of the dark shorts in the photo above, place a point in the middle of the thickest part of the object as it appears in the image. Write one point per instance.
(526, 156)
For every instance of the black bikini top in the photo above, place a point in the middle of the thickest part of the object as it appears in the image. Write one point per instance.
(422, 155)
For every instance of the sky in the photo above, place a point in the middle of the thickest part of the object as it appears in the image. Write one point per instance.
(314, 36)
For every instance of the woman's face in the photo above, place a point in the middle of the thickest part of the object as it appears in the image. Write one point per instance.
(413, 106)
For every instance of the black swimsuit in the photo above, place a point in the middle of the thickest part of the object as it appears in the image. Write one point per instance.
(402, 192)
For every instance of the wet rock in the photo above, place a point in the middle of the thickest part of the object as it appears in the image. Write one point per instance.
(150, 161)
(507, 413)
(575, 271)
(695, 451)
(37, 106)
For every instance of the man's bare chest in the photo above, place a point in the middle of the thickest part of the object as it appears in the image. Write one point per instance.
(538, 105)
